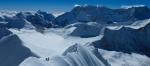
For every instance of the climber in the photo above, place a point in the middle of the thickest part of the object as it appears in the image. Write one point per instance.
(47, 59)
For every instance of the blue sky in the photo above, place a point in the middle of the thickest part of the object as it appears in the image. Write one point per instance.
(62, 5)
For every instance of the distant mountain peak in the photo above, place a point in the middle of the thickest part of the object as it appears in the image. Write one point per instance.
(103, 15)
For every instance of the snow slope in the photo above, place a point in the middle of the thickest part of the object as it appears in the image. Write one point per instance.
(33, 61)
(50, 43)
(79, 55)
(12, 51)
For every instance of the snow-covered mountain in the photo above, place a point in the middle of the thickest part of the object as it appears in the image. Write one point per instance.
(20, 20)
(102, 15)
(87, 36)
(128, 38)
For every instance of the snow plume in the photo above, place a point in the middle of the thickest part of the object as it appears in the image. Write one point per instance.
(131, 6)
(77, 5)
(56, 14)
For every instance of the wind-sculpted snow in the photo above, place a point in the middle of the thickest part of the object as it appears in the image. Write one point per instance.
(78, 55)
(102, 15)
(131, 38)
(33, 61)
(123, 59)
(12, 52)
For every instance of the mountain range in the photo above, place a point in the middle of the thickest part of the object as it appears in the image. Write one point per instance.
(85, 36)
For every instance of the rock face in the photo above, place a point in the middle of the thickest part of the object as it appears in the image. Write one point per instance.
(12, 52)
(102, 15)
(135, 38)
(86, 30)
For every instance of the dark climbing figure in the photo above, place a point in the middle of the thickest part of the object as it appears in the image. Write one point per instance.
(47, 59)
